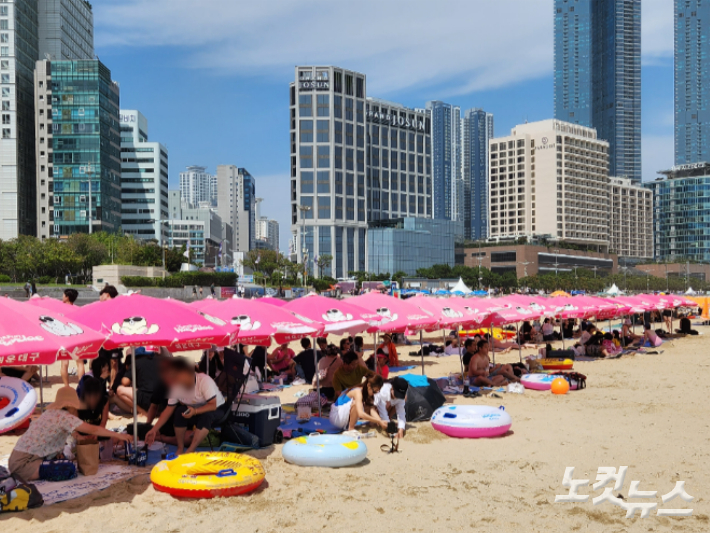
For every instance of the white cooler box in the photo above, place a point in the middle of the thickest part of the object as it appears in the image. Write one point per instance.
(261, 416)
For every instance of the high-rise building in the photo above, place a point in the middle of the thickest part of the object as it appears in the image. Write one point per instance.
(236, 204)
(445, 159)
(78, 148)
(198, 187)
(267, 230)
(550, 179)
(328, 193)
(692, 81)
(398, 162)
(18, 54)
(477, 134)
(681, 231)
(66, 30)
(631, 222)
(144, 180)
(598, 75)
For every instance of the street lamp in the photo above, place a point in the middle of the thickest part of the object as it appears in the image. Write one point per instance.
(160, 240)
(557, 264)
(89, 170)
(304, 209)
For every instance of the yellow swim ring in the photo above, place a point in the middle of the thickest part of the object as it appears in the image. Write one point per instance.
(207, 474)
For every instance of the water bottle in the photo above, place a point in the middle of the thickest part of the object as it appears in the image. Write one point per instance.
(466, 384)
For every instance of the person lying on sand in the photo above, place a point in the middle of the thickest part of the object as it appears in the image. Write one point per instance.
(358, 403)
(484, 374)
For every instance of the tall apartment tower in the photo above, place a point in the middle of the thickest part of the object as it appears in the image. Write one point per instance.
(477, 133)
(236, 205)
(78, 148)
(66, 29)
(198, 187)
(144, 180)
(446, 159)
(550, 179)
(692, 82)
(598, 75)
(328, 143)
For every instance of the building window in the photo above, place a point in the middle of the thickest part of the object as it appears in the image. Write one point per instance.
(5, 118)
(324, 182)
(324, 157)
(306, 131)
(4, 38)
(4, 51)
(4, 11)
(305, 105)
(4, 24)
(323, 104)
(4, 64)
(323, 207)
(323, 131)
(306, 157)
(6, 133)
(5, 78)
(306, 182)
(6, 105)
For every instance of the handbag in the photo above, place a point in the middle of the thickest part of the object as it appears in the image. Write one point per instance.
(87, 458)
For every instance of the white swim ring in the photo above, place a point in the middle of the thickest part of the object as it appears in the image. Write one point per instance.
(22, 402)
(324, 450)
(471, 421)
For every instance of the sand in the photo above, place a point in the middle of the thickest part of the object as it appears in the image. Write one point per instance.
(646, 412)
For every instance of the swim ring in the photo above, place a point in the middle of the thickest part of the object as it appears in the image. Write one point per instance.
(324, 450)
(544, 381)
(21, 402)
(556, 364)
(471, 421)
(207, 474)
(498, 333)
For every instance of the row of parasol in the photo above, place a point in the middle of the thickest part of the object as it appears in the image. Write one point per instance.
(43, 331)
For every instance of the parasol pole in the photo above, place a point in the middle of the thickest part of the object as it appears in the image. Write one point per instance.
(520, 344)
(315, 358)
(458, 336)
(492, 342)
(135, 395)
(421, 348)
(41, 390)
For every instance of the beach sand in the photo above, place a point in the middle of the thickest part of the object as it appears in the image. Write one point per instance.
(646, 412)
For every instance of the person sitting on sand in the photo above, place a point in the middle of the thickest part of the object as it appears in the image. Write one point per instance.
(390, 401)
(100, 369)
(327, 367)
(390, 349)
(194, 401)
(94, 406)
(281, 361)
(350, 374)
(358, 402)
(25, 373)
(158, 404)
(48, 434)
(650, 339)
(483, 373)
(593, 345)
(470, 347)
(548, 331)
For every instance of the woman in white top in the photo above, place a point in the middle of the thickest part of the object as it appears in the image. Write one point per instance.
(194, 401)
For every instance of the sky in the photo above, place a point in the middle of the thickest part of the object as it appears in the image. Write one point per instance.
(212, 76)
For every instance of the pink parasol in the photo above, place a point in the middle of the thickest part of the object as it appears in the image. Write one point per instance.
(337, 316)
(449, 312)
(504, 311)
(260, 323)
(137, 320)
(273, 301)
(34, 335)
(392, 315)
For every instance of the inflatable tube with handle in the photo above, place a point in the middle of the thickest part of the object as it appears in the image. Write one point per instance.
(22, 400)
(324, 450)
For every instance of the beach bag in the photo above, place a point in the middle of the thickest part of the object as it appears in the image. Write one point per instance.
(87, 458)
(57, 470)
(24, 496)
(311, 400)
(421, 402)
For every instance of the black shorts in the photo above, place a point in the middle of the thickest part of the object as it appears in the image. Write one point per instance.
(201, 421)
(667, 312)
(143, 399)
(13, 372)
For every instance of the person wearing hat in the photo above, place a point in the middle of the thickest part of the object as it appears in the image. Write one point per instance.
(47, 436)
(390, 400)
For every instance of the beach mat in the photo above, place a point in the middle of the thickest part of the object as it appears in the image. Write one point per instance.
(294, 428)
(402, 368)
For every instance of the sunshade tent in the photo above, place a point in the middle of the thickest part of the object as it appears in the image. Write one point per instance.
(558, 294)
(461, 287)
(136, 320)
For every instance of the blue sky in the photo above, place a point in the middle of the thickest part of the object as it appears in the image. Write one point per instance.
(212, 76)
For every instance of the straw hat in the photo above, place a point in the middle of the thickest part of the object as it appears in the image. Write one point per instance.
(66, 397)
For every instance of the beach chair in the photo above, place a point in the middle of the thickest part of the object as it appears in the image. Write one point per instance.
(236, 367)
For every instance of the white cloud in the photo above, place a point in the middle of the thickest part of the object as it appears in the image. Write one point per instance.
(656, 31)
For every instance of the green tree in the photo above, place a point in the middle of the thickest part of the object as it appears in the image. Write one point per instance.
(323, 261)
(89, 252)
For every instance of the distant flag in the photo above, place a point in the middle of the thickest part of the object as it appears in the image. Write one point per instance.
(220, 249)
(258, 258)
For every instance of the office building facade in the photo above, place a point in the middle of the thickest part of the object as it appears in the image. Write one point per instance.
(407, 244)
(328, 147)
(144, 180)
(477, 134)
(209, 237)
(399, 164)
(78, 148)
(445, 159)
(18, 54)
(598, 75)
(198, 187)
(692, 81)
(681, 213)
(267, 230)
(550, 179)
(236, 204)
(631, 224)
(66, 30)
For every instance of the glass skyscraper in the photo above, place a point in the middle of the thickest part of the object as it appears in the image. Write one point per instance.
(598, 75)
(446, 159)
(78, 148)
(692, 81)
(477, 132)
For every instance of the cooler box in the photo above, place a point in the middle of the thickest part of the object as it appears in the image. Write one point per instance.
(260, 415)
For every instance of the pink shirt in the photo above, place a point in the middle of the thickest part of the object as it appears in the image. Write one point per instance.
(278, 354)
